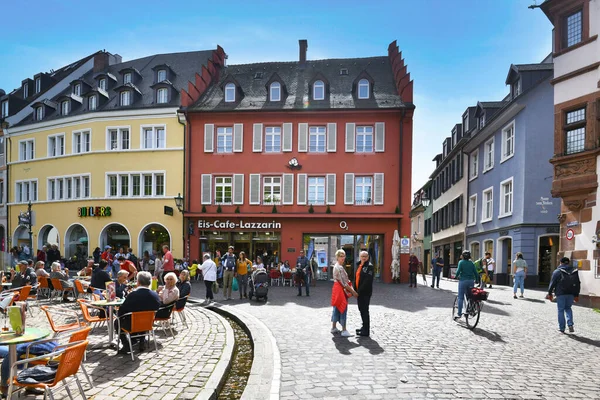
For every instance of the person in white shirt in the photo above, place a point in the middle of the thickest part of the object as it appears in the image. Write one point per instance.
(491, 267)
(209, 272)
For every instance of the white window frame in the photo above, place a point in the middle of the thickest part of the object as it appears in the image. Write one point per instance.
(319, 132)
(274, 132)
(159, 73)
(102, 84)
(29, 153)
(364, 83)
(275, 91)
(38, 85)
(119, 137)
(220, 183)
(125, 98)
(488, 156)
(229, 93)
(4, 112)
(270, 182)
(223, 133)
(472, 210)
(25, 91)
(484, 204)
(321, 85)
(54, 150)
(316, 184)
(137, 179)
(92, 103)
(503, 198)
(162, 96)
(158, 140)
(473, 165)
(65, 107)
(127, 77)
(39, 113)
(363, 131)
(80, 136)
(25, 187)
(69, 187)
(505, 138)
(77, 89)
(359, 182)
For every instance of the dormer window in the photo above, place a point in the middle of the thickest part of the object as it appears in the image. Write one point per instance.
(39, 113)
(126, 98)
(162, 96)
(38, 85)
(363, 89)
(161, 75)
(64, 108)
(275, 91)
(127, 77)
(319, 90)
(482, 121)
(230, 93)
(4, 109)
(77, 89)
(466, 123)
(25, 91)
(516, 88)
(92, 102)
(102, 84)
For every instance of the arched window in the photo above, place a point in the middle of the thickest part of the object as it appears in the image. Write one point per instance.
(363, 89)
(275, 92)
(319, 90)
(229, 93)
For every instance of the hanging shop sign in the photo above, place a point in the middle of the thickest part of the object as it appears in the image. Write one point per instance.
(94, 212)
(230, 225)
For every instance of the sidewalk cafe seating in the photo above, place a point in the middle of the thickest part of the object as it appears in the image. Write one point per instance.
(92, 317)
(275, 277)
(59, 289)
(180, 309)
(142, 325)
(163, 317)
(287, 277)
(53, 313)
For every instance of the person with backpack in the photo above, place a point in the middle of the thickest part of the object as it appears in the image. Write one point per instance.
(229, 261)
(566, 285)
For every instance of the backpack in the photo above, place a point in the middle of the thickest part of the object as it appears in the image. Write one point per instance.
(133, 259)
(230, 262)
(569, 282)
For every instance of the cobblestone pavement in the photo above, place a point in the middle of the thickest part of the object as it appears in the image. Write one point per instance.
(417, 351)
(180, 371)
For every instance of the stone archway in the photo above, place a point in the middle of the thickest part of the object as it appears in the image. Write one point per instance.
(152, 237)
(116, 236)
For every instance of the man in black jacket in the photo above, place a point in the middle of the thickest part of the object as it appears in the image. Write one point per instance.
(364, 287)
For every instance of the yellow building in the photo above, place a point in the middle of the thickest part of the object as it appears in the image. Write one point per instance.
(102, 161)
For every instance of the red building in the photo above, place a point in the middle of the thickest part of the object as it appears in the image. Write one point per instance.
(313, 155)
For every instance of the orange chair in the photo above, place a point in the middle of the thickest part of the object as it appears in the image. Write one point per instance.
(142, 325)
(87, 316)
(180, 309)
(52, 312)
(43, 287)
(164, 317)
(275, 277)
(71, 357)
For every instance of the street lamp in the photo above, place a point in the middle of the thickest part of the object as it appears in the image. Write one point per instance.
(29, 226)
(179, 202)
(425, 201)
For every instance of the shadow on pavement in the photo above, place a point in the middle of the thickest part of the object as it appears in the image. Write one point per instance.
(490, 335)
(534, 300)
(500, 303)
(343, 345)
(581, 339)
(494, 310)
(370, 344)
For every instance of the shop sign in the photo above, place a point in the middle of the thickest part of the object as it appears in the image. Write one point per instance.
(291, 250)
(572, 224)
(24, 217)
(225, 225)
(94, 212)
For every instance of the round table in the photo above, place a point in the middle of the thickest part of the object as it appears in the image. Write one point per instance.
(110, 305)
(6, 284)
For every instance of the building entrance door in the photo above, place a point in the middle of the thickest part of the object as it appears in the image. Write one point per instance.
(548, 249)
(446, 271)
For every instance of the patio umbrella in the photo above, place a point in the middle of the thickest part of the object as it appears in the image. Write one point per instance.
(396, 257)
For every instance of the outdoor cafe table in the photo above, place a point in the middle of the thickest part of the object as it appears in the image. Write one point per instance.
(11, 340)
(110, 305)
(6, 284)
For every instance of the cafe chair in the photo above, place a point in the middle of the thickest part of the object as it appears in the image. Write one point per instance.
(180, 309)
(69, 358)
(80, 291)
(163, 317)
(43, 288)
(287, 277)
(22, 294)
(59, 288)
(89, 317)
(142, 325)
(275, 277)
(54, 313)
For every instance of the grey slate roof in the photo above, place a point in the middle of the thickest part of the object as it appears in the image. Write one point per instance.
(535, 67)
(297, 78)
(184, 65)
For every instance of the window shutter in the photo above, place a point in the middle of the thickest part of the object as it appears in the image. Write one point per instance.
(209, 138)
(206, 188)
(330, 189)
(238, 189)
(348, 188)
(238, 138)
(288, 189)
(331, 137)
(257, 135)
(301, 189)
(286, 141)
(350, 137)
(303, 138)
(254, 188)
(378, 189)
(380, 136)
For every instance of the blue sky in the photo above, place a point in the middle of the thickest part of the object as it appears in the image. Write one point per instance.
(458, 52)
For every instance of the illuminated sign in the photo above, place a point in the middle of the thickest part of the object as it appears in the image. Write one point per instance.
(218, 224)
(94, 212)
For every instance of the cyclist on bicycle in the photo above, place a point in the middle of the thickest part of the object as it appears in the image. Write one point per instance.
(466, 275)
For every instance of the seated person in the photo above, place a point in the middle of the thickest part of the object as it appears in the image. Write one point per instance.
(64, 279)
(168, 294)
(128, 266)
(24, 276)
(100, 277)
(141, 299)
(87, 270)
(285, 268)
(40, 271)
(122, 286)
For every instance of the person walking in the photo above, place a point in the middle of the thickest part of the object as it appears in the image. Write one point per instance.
(466, 274)
(168, 264)
(413, 268)
(243, 267)
(209, 272)
(438, 266)
(364, 287)
(491, 267)
(566, 285)
(519, 273)
(229, 264)
(340, 292)
(304, 273)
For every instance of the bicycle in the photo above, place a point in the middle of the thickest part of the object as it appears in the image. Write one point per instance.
(473, 308)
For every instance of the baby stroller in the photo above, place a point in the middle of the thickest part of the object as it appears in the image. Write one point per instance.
(259, 285)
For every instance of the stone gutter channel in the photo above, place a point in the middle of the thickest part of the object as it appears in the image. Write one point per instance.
(264, 380)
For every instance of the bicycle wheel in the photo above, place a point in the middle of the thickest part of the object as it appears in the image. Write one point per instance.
(472, 316)
(455, 308)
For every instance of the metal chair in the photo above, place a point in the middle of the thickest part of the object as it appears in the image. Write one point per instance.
(142, 325)
(287, 277)
(80, 291)
(52, 312)
(180, 309)
(275, 277)
(163, 317)
(59, 288)
(88, 317)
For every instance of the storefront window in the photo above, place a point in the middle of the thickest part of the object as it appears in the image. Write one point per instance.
(267, 245)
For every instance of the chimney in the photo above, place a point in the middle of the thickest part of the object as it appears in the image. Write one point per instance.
(303, 47)
(100, 61)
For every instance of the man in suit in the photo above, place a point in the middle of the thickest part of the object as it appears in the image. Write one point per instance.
(141, 299)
